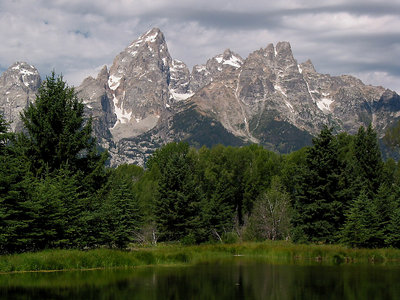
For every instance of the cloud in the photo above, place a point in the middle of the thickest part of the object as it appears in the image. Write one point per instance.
(75, 37)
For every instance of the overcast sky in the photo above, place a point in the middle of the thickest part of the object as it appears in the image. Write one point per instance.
(77, 37)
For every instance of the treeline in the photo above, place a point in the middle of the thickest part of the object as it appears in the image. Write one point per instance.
(338, 190)
(55, 191)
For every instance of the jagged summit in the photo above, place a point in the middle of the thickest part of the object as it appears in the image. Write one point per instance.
(147, 98)
(24, 73)
(154, 35)
(229, 58)
(18, 85)
(307, 66)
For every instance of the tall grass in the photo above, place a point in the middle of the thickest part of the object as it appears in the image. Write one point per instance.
(175, 254)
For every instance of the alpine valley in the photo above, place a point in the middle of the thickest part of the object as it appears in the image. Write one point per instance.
(147, 98)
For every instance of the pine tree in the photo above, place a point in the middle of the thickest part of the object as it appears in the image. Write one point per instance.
(15, 191)
(362, 227)
(178, 194)
(393, 229)
(46, 211)
(368, 164)
(120, 217)
(384, 201)
(318, 206)
(57, 133)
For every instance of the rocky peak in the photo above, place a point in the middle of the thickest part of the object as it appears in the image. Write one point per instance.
(103, 74)
(21, 73)
(224, 64)
(307, 67)
(179, 80)
(284, 59)
(148, 54)
(18, 86)
(227, 60)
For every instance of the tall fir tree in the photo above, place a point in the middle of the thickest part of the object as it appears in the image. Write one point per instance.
(362, 227)
(368, 164)
(119, 214)
(392, 237)
(318, 207)
(57, 134)
(217, 184)
(178, 195)
(15, 191)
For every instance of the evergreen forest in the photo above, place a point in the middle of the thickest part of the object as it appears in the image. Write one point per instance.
(56, 190)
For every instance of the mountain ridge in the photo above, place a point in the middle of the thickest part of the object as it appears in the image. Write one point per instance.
(147, 98)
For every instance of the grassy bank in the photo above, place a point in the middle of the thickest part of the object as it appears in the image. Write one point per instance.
(164, 254)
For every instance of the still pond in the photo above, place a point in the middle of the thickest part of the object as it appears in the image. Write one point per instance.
(235, 279)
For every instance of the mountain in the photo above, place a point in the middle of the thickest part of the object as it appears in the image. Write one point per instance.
(147, 98)
(18, 87)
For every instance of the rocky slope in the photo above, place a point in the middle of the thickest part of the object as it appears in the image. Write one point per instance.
(18, 86)
(147, 98)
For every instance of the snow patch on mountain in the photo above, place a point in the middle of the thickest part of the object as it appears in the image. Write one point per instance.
(123, 116)
(152, 38)
(324, 104)
(234, 61)
(300, 69)
(114, 82)
(179, 96)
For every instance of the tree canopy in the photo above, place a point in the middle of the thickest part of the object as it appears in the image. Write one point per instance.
(57, 134)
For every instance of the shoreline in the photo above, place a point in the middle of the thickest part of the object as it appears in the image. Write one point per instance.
(274, 252)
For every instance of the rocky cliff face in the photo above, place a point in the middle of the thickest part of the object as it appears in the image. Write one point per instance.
(18, 86)
(147, 99)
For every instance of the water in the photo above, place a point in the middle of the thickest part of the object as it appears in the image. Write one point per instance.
(237, 279)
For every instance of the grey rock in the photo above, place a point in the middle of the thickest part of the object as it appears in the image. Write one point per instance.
(147, 99)
(18, 87)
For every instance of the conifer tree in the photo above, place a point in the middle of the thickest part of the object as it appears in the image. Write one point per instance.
(217, 207)
(368, 164)
(318, 207)
(393, 229)
(178, 194)
(57, 134)
(362, 228)
(15, 190)
(119, 215)
(384, 201)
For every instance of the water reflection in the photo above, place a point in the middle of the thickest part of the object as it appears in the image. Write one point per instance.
(228, 280)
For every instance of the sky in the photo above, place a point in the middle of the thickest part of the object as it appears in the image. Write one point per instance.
(77, 37)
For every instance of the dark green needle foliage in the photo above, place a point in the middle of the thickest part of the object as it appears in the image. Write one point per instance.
(177, 198)
(319, 208)
(57, 134)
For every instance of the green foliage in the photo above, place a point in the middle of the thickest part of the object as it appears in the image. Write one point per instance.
(56, 193)
(177, 198)
(368, 165)
(15, 190)
(318, 207)
(393, 229)
(120, 215)
(57, 134)
(362, 228)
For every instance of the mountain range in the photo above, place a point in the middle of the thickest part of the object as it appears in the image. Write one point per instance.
(146, 99)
